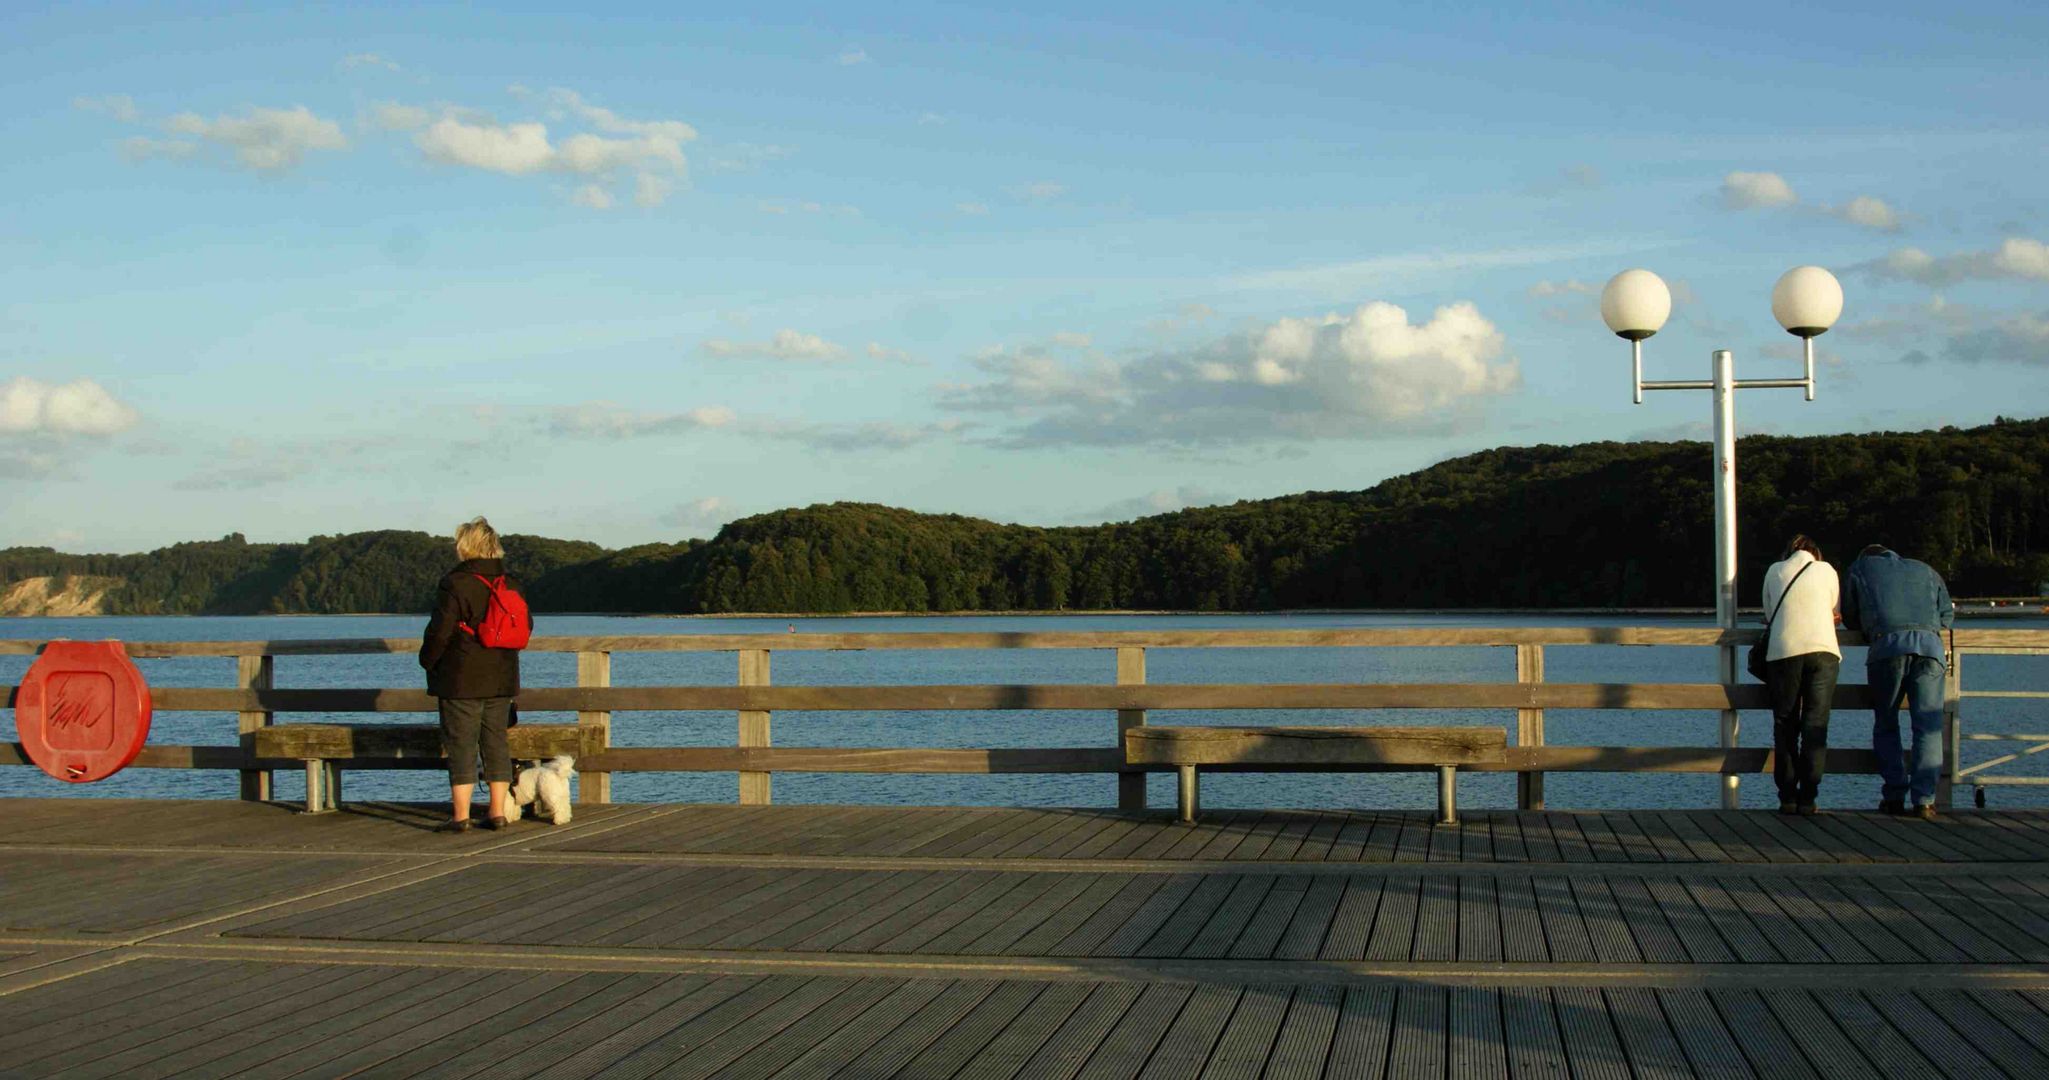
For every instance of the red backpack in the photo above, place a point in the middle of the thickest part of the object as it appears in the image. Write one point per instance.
(506, 623)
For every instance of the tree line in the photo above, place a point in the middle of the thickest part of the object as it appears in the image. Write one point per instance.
(1593, 525)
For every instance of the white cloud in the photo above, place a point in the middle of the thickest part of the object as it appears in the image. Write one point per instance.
(649, 151)
(972, 209)
(361, 60)
(785, 344)
(929, 118)
(1352, 376)
(650, 189)
(1039, 191)
(2014, 339)
(1163, 501)
(394, 116)
(1071, 340)
(1766, 190)
(1028, 381)
(1869, 211)
(603, 419)
(119, 106)
(141, 148)
(880, 435)
(2017, 257)
(701, 515)
(853, 54)
(1753, 190)
(2023, 258)
(592, 196)
(1568, 287)
(745, 157)
(34, 464)
(80, 407)
(512, 149)
(267, 140)
(878, 351)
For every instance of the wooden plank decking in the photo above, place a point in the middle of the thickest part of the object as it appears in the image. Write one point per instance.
(164, 938)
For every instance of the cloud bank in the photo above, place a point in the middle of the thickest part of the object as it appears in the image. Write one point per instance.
(1769, 190)
(2017, 258)
(1361, 375)
(80, 407)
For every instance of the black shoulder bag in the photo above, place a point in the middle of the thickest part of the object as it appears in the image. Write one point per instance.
(1760, 650)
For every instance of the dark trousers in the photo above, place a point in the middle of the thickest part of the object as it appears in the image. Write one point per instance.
(470, 726)
(1802, 688)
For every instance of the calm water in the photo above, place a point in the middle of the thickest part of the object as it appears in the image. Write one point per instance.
(967, 729)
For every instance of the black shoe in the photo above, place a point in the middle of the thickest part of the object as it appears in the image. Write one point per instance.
(1926, 813)
(453, 825)
(1895, 807)
(1787, 808)
(497, 823)
(1808, 809)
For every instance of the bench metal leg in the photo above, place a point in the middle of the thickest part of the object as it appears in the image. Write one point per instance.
(1447, 794)
(1190, 800)
(323, 786)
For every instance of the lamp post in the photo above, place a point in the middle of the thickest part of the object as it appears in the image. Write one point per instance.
(1807, 301)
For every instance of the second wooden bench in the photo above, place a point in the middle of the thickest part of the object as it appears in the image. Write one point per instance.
(1442, 748)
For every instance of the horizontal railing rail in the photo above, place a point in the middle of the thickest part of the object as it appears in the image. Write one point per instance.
(754, 700)
(1974, 639)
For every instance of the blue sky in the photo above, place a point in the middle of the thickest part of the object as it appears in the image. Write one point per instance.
(627, 274)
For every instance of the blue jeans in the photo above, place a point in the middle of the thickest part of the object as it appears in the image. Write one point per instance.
(1907, 772)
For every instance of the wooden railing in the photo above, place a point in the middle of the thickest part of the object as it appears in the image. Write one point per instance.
(754, 699)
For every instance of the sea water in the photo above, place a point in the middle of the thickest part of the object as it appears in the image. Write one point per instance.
(1563, 727)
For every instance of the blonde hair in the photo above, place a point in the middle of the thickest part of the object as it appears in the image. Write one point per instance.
(476, 539)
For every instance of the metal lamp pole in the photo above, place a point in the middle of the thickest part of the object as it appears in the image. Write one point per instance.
(1807, 300)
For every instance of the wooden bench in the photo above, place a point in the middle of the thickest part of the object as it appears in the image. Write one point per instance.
(1444, 748)
(326, 748)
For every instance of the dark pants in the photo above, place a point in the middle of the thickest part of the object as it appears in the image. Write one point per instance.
(473, 725)
(1801, 689)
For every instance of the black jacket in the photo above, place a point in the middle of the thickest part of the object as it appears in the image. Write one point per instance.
(457, 666)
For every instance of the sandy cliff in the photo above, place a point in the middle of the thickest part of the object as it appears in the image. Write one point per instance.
(80, 595)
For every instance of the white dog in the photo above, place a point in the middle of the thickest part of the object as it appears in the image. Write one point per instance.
(546, 787)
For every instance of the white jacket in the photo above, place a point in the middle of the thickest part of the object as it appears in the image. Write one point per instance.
(1806, 622)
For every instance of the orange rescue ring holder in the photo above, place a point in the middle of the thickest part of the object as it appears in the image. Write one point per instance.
(82, 711)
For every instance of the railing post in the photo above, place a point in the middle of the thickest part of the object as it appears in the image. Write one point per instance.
(254, 673)
(1130, 672)
(1529, 727)
(1732, 727)
(593, 669)
(1952, 730)
(754, 786)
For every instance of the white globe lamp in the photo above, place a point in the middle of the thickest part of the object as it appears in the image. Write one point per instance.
(1635, 304)
(1807, 301)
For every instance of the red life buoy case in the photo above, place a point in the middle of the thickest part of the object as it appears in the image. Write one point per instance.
(82, 711)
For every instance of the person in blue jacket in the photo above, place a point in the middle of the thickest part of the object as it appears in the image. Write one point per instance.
(1902, 606)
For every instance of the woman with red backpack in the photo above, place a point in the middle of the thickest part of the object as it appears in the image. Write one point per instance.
(471, 653)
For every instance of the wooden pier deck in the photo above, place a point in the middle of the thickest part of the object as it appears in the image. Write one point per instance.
(169, 938)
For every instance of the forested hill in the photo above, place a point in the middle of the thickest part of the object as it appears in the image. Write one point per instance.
(1595, 525)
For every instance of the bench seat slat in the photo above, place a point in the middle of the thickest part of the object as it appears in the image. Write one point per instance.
(344, 742)
(1333, 746)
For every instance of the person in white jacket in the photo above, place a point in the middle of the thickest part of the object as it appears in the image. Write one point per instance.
(1801, 595)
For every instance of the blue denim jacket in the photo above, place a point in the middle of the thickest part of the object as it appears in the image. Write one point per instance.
(1900, 605)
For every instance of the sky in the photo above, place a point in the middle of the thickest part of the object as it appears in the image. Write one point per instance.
(627, 273)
